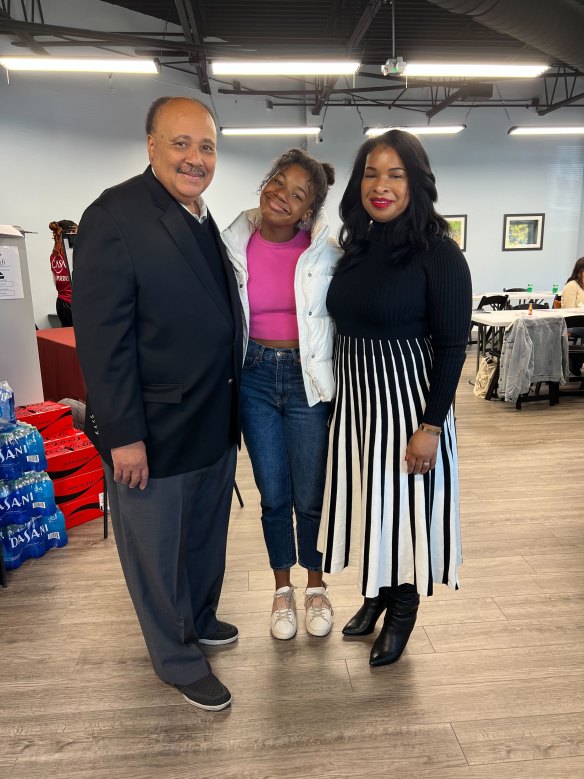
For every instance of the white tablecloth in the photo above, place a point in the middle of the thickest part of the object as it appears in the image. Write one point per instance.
(508, 316)
(534, 295)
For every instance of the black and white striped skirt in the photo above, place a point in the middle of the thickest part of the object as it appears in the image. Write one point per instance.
(406, 527)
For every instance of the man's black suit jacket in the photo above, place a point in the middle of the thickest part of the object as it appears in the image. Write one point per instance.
(160, 349)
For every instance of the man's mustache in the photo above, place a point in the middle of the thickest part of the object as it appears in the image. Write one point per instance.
(193, 170)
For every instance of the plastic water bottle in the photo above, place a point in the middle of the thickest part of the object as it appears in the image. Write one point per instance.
(30, 495)
(43, 494)
(21, 450)
(555, 289)
(530, 286)
(7, 416)
(56, 533)
(32, 539)
(20, 542)
(5, 493)
(35, 456)
(20, 499)
(12, 452)
(10, 504)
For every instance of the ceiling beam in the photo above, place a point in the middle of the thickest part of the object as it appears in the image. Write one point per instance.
(357, 36)
(452, 98)
(191, 32)
(25, 39)
(12, 26)
(149, 40)
(418, 106)
(560, 104)
(347, 91)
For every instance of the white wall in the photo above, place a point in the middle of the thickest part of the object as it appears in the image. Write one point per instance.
(484, 173)
(65, 139)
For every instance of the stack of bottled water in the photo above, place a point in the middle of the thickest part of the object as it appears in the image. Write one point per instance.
(30, 522)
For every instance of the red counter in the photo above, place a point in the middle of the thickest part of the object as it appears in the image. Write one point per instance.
(60, 369)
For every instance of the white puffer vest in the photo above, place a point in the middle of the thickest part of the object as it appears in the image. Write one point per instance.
(313, 275)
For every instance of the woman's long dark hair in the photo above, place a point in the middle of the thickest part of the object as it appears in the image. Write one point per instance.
(420, 221)
(577, 272)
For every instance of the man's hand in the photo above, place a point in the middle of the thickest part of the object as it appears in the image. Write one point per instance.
(131, 465)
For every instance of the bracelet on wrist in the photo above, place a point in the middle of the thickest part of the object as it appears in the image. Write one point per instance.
(426, 429)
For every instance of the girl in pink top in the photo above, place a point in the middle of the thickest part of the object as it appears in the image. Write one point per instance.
(283, 260)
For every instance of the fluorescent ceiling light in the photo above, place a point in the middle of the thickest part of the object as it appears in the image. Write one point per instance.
(423, 130)
(576, 130)
(284, 68)
(80, 65)
(270, 130)
(471, 70)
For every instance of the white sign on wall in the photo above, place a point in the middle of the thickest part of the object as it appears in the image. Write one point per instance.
(19, 354)
(10, 274)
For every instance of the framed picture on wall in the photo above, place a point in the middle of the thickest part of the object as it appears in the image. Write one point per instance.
(522, 231)
(458, 229)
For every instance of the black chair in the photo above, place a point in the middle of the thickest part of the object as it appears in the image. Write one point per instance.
(575, 357)
(553, 395)
(238, 493)
(489, 303)
(493, 303)
(516, 289)
(524, 302)
(575, 321)
(534, 304)
(490, 339)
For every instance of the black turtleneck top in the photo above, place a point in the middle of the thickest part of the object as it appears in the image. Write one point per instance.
(397, 292)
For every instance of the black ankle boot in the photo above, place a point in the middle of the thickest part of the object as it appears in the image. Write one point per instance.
(363, 622)
(402, 609)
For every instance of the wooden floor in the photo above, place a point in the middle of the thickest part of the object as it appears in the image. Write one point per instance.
(491, 685)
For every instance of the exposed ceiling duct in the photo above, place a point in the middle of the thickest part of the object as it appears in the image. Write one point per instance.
(555, 28)
(501, 31)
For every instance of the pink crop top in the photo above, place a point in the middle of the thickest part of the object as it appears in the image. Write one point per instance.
(270, 287)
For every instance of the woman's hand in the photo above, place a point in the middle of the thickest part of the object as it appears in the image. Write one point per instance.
(421, 452)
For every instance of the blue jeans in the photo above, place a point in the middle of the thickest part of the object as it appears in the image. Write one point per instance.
(287, 444)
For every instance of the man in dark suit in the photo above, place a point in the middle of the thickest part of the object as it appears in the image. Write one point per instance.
(159, 336)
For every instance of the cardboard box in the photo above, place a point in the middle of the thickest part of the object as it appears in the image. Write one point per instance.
(78, 486)
(84, 509)
(52, 420)
(80, 496)
(72, 455)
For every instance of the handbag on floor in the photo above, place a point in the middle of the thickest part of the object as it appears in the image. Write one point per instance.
(485, 375)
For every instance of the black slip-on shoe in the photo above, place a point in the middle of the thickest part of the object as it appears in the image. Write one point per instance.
(223, 634)
(207, 693)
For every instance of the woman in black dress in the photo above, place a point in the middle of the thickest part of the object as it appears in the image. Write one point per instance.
(401, 299)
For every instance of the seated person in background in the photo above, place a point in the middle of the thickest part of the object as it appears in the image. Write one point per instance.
(573, 292)
(573, 297)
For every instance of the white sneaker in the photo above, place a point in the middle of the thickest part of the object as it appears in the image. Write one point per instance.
(319, 612)
(284, 613)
